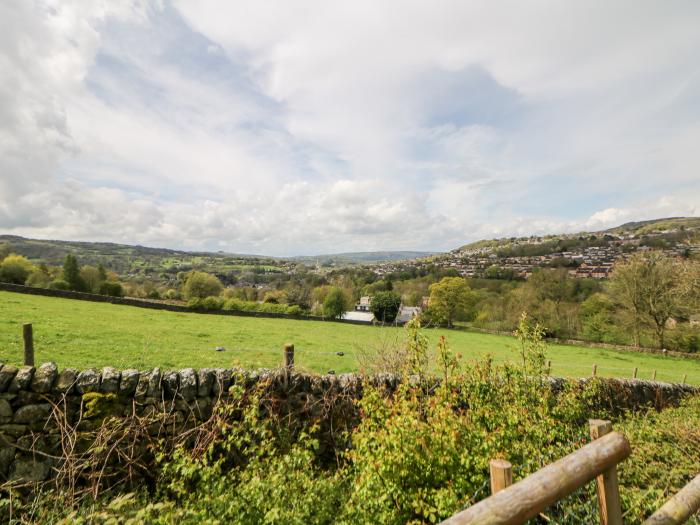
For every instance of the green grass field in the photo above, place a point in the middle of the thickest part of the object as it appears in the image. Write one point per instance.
(84, 334)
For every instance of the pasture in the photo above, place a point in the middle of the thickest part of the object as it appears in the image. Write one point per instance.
(83, 334)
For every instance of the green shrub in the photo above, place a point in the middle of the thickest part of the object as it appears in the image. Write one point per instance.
(235, 305)
(38, 279)
(212, 303)
(15, 269)
(111, 288)
(59, 284)
(684, 338)
(201, 285)
(665, 457)
(195, 303)
(294, 309)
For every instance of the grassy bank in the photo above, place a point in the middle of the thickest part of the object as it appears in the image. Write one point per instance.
(83, 334)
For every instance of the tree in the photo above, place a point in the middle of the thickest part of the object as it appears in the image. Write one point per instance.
(71, 274)
(448, 298)
(334, 303)
(385, 306)
(91, 277)
(598, 318)
(652, 288)
(39, 278)
(555, 285)
(201, 285)
(15, 269)
(102, 273)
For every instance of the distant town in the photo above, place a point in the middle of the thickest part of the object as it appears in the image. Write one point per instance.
(594, 258)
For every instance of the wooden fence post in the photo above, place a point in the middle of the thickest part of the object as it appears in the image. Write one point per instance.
(501, 472)
(595, 369)
(607, 488)
(653, 377)
(289, 357)
(685, 377)
(28, 344)
(549, 367)
(634, 374)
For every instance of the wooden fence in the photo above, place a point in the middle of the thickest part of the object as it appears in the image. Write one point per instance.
(512, 504)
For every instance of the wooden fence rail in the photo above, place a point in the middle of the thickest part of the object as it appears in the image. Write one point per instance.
(513, 504)
(530, 496)
(680, 507)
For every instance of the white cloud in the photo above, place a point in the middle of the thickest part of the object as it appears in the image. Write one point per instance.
(312, 126)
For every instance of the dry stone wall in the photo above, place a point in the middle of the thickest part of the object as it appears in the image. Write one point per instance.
(32, 398)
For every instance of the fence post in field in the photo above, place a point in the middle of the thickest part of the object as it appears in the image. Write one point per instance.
(595, 369)
(607, 488)
(28, 344)
(653, 377)
(685, 377)
(501, 472)
(289, 357)
(634, 374)
(549, 367)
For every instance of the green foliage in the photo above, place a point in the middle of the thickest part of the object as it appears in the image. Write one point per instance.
(335, 303)
(201, 285)
(101, 272)
(207, 303)
(385, 306)
(59, 284)
(255, 473)
(238, 305)
(665, 457)
(448, 298)
(684, 338)
(531, 346)
(91, 277)
(38, 278)
(653, 288)
(15, 269)
(111, 288)
(598, 318)
(71, 274)
(418, 458)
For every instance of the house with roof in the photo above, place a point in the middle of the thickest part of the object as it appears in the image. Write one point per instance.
(364, 304)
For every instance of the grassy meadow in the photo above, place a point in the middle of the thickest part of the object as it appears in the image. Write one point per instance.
(82, 334)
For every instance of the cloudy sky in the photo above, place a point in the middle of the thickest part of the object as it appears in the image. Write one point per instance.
(315, 126)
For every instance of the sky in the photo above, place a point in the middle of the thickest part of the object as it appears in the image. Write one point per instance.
(320, 126)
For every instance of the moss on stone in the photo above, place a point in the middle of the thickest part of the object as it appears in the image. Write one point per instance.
(100, 406)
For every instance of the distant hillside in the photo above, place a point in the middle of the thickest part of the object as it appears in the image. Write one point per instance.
(361, 257)
(671, 227)
(126, 259)
(658, 225)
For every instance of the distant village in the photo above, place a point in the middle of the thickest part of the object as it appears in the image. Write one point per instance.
(594, 262)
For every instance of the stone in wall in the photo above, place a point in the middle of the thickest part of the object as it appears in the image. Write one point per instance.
(22, 379)
(88, 381)
(44, 377)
